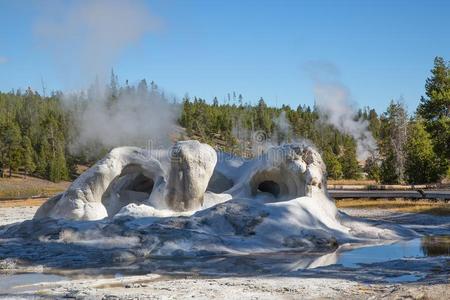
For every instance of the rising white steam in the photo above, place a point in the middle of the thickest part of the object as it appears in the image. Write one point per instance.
(139, 117)
(85, 37)
(254, 143)
(333, 101)
(283, 132)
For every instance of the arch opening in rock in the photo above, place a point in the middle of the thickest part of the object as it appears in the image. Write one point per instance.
(280, 183)
(270, 187)
(133, 185)
(141, 183)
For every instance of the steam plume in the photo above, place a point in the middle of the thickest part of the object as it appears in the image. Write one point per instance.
(134, 117)
(129, 116)
(333, 101)
(284, 132)
(86, 37)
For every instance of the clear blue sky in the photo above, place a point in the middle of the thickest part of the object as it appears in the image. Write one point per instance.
(383, 49)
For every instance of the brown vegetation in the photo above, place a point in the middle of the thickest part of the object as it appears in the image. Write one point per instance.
(400, 205)
(23, 203)
(352, 182)
(21, 186)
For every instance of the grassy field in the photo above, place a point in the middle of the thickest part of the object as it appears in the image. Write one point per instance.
(351, 182)
(20, 186)
(421, 206)
(23, 203)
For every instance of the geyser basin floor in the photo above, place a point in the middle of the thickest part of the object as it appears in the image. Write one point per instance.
(336, 274)
(16, 283)
(381, 270)
(415, 257)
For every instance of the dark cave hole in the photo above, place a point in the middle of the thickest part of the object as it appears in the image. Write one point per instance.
(269, 186)
(141, 184)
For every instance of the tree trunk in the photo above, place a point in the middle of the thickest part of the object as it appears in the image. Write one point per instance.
(2, 165)
(10, 160)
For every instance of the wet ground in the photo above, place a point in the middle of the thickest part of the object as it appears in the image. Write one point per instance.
(383, 270)
(16, 283)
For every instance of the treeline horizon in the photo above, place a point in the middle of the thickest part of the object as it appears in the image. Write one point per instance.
(36, 132)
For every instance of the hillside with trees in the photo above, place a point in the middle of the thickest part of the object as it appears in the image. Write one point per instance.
(36, 131)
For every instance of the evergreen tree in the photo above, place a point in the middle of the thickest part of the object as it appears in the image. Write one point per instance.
(58, 168)
(422, 164)
(113, 91)
(28, 155)
(142, 89)
(350, 166)
(388, 171)
(263, 117)
(372, 168)
(374, 123)
(334, 167)
(42, 167)
(435, 109)
(10, 143)
(35, 131)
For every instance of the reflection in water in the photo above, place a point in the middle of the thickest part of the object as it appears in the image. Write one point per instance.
(404, 278)
(436, 245)
(426, 246)
(350, 256)
(256, 264)
(283, 263)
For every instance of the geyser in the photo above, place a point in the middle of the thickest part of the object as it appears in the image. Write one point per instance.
(178, 179)
(192, 201)
(132, 175)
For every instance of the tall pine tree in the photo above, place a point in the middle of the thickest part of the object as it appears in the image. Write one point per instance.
(435, 109)
(28, 155)
(422, 164)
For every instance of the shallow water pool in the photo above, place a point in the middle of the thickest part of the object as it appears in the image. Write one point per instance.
(422, 247)
(13, 283)
(362, 264)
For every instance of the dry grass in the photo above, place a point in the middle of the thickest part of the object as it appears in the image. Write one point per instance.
(19, 186)
(351, 182)
(421, 206)
(22, 203)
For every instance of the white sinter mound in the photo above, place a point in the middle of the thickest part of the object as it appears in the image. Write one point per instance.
(191, 200)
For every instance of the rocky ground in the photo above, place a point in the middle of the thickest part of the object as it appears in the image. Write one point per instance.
(156, 287)
(180, 286)
(10, 215)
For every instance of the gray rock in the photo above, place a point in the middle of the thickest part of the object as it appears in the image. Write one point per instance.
(192, 165)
